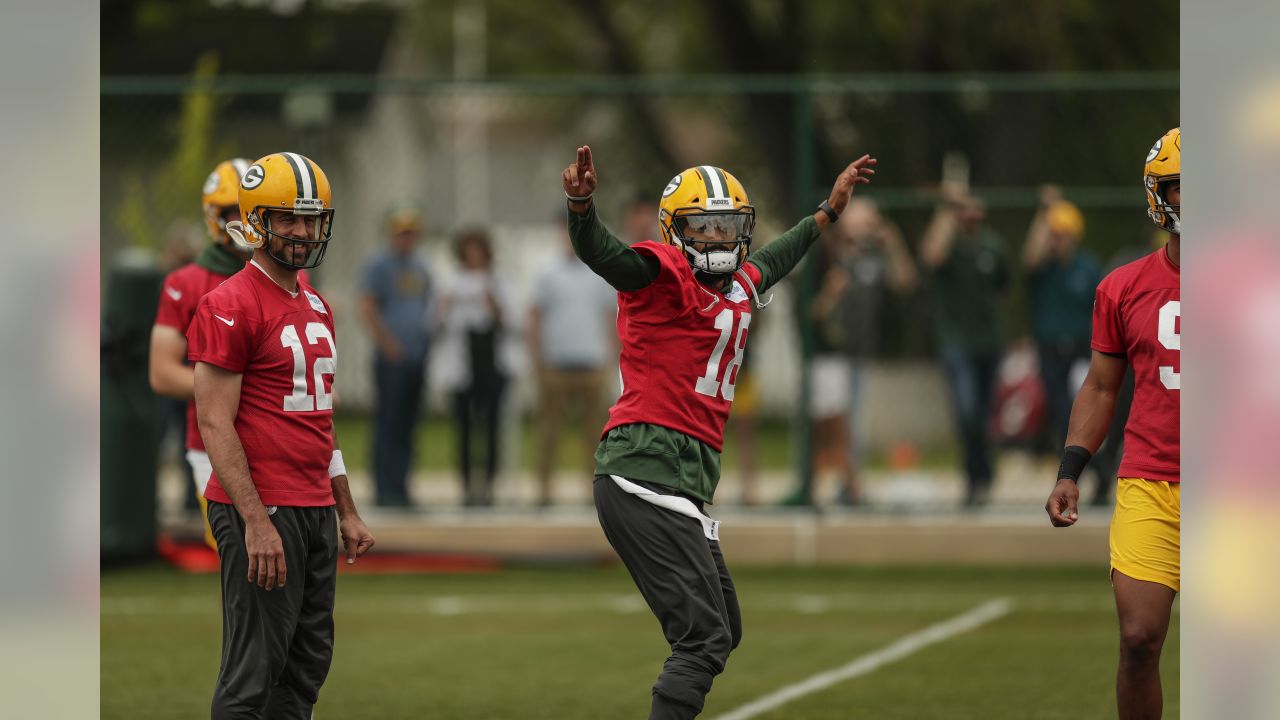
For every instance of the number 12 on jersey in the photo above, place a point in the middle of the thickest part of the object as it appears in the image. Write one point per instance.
(711, 384)
(301, 400)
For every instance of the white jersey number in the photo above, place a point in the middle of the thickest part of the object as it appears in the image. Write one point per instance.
(711, 384)
(1172, 340)
(301, 400)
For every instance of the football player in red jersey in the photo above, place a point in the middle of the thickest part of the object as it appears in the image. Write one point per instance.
(1136, 321)
(264, 349)
(169, 372)
(684, 307)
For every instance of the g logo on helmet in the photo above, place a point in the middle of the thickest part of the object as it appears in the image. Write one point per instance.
(1155, 150)
(252, 177)
(671, 186)
(211, 183)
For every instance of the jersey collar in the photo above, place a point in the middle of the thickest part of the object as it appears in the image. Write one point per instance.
(272, 280)
(1164, 259)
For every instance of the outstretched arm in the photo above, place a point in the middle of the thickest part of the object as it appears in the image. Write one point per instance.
(779, 257)
(610, 258)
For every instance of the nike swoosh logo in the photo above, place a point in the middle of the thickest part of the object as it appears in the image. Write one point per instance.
(175, 294)
(230, 323)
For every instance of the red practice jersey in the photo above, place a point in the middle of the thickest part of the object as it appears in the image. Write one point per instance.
(182, 291)
(682, 348)
(284, 347)
(1137, 313)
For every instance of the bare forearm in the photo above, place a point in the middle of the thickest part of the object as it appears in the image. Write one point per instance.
(342, 497)
(167, 368)
(1091, 417)
(174, 381)
(228, 459)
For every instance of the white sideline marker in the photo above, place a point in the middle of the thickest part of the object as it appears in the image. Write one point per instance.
(871, 662)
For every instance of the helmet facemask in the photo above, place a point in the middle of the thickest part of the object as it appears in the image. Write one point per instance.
(727, 238)
(1163, 213)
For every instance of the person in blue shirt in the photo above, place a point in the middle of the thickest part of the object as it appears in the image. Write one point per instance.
(395, 304)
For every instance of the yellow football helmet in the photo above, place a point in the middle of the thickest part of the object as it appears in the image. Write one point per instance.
(285, 182)
(221, 191)
(1065, 217)
(710, 203)
(1163, 168)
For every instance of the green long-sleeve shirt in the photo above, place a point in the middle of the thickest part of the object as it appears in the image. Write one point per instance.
(653, 453)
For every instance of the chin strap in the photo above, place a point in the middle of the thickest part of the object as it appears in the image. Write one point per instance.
(755, 295)
(707, 262)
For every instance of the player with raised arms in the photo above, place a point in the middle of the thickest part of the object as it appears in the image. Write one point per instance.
(264, 352)
(1136, 321)
(684, 309)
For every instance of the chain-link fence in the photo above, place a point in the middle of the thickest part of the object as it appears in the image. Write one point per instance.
(489, 153)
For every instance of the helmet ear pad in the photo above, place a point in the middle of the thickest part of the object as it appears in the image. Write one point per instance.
(236, 230)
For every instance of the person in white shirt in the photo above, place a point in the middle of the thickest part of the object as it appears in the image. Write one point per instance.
(571, 331)
(477, 354)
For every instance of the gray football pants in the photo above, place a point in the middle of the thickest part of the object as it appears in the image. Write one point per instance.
(683, 578)
(277, 645)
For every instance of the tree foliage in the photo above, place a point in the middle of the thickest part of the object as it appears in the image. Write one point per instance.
(151, 203)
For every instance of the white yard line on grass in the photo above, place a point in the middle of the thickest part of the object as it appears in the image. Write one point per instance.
(871, 662)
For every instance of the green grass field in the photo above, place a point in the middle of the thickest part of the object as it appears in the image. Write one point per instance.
(577, 643)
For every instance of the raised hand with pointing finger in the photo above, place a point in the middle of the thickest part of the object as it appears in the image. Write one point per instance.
(579, 180)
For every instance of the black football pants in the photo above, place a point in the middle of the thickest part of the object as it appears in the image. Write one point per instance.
(683, 578)
(277, 645)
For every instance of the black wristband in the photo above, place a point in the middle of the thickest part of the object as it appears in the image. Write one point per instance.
(827, 210)
(1074, 460)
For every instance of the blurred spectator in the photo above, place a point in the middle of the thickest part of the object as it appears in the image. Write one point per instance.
(395, 298)
(864, 256)
(640, 220)
(1062, 279)
(967, 270)
(571, 331)
(477, 352)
